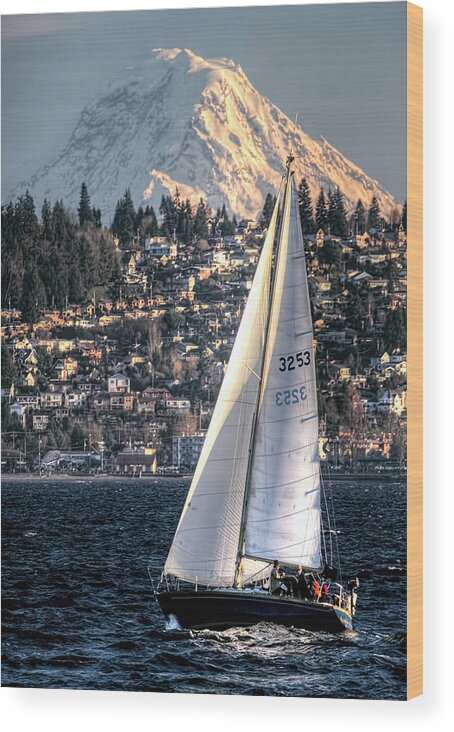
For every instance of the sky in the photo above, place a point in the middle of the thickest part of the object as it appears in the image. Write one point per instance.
(340, 67)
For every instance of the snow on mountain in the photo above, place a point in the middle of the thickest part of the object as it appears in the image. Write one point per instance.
(199, 125)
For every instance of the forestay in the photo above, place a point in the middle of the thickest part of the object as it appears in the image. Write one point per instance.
(283, 497)
(205, 545)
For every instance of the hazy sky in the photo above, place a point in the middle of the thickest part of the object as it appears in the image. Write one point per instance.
(341, 67)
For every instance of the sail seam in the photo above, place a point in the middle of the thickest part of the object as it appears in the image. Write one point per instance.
(293, 449)
(290, 419)
(292, 482)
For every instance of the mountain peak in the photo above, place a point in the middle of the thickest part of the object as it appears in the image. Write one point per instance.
(199, 125)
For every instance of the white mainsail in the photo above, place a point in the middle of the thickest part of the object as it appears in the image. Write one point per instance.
(205, 545)
(283, 497)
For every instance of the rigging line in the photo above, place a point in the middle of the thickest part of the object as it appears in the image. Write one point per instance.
(335, 527)
(336, 541)
(329, 522)
(323, 538)
(322, 486)
(254, 373)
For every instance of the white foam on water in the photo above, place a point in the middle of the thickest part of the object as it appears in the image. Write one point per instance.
(172, 623)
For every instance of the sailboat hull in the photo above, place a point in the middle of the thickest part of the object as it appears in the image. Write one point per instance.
(217, 609)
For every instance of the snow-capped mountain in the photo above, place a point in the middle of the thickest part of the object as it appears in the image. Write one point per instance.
(198, 125)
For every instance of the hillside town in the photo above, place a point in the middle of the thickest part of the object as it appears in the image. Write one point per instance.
(126, 381)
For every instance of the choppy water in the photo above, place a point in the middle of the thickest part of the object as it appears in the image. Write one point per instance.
(78, 610)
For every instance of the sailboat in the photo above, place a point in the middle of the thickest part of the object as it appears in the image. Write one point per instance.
(255, 497)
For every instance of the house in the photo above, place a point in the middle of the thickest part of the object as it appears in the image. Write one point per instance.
(61, 413)
(394, 401)
(186, 449)
(31, 379)
(360, 278)
(40, 422)
(69, 459)
(29, 401)
(158, 249)
(362, 240)
(51, 399)
(121, 400)
(379, 362)
(64, 368)
(156, 394)
(179, 406)
(332, 336)
(136, 462)
(380, 285)
(99, 400)
(18, 411)
(322, 284)
(145, 404)
(342, 372)
(76, 399)
(118, 383)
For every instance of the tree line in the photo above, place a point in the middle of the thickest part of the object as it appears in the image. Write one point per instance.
(179, 219)
(330, 213)
(55, 258)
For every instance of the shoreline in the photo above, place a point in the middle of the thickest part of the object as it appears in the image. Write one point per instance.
(72, 478)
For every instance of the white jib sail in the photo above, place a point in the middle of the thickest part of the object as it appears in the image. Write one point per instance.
(205, 544)
(283, 506)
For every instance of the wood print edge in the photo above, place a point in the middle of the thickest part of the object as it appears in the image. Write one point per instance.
(415, 351)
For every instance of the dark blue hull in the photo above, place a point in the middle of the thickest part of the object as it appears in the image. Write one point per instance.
(217, 609)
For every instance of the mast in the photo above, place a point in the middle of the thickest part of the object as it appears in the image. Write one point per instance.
(252, 440)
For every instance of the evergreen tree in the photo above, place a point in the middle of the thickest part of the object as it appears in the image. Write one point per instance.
(8, 223)
(395, 331)
(96, 213)
(86, 266)
(139, 217)
(330, 253)
(129, 217)
(331, 212)
(149, 222)
(169, 212)
(404, 217)
(268, 208)
(33, 297)
(305, 204)
(85, 211)
(359, 218)
(200, 221)
(321, 212)
(46, 220)
(27, 228)
(374, 217)
(9, 374)
(124, 221)
(188, 222)
(226, 224)
(336, 213)
(62, 228)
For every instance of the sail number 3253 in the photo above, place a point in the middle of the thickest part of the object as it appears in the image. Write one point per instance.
(290, 363)
(291, 396)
